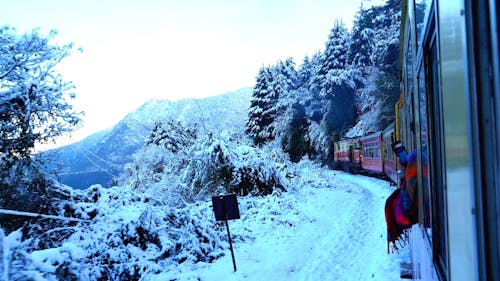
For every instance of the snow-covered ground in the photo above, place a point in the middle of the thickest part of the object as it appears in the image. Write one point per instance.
(328, 226)
(332, 227)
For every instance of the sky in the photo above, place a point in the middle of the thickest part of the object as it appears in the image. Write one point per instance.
(134, 51)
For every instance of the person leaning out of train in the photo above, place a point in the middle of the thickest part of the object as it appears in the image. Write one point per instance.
(408, 182)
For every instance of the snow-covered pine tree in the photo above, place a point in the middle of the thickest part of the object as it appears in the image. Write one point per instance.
(336, 47)
(284, 86)
(263, 111)
(304, 73)
(309, 93)
(173, 135)
(361, 47)
(386, 54)
(338, 85)
(296, 141)
(289, 70)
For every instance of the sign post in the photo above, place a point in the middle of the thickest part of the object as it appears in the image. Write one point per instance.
(226, 208)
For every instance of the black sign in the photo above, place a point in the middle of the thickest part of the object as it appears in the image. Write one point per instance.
(225, 207)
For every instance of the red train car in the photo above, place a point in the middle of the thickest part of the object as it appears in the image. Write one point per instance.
(372, 153)
(347, 155)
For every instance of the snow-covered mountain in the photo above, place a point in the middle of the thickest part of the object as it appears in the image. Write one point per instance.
(100, 157)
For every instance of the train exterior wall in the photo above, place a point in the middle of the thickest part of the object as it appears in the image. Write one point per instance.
(421, 256)
(372, 153)
(390, 170)
(390, 164)
(347, 155)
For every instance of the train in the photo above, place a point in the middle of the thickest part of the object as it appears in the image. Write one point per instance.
(449, 113)
(370, 154)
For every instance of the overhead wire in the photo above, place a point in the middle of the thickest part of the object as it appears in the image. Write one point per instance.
(38, 215)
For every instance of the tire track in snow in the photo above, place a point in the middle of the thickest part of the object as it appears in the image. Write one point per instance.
(348, 252)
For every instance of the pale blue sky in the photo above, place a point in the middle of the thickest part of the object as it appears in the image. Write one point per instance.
(134, 51)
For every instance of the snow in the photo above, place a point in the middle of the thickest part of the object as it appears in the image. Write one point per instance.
(327, 232)
(329, 225)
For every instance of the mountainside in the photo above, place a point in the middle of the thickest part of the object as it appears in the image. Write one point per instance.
(100, 157)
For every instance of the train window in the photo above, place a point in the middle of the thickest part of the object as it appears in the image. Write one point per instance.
(422, 8)
(432, 149)
(424, 143)
(409, 102)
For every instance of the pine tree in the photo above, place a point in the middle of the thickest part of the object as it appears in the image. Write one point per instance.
(386, 55)
(262, 110)
(285, 83)
(314, 103)
(172, 135)
(289, 70)
(362, 40)
(304, 73)
(335, 54)
(296, 141)
(338, 85)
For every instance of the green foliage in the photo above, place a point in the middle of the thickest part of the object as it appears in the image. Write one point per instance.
(296, 142)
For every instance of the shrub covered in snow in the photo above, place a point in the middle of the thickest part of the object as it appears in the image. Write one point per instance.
(125, 235)
(207, 166)
(24, 187)
(222, 165)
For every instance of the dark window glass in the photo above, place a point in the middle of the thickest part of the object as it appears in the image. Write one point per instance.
(424, 152)
(409, 90)
(434, 189)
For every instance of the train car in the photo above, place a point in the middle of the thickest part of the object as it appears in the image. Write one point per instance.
(347, 155)
(390, 164)
(449, 113)
(372, 153)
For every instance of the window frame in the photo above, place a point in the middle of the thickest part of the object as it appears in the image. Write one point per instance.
(433, 224)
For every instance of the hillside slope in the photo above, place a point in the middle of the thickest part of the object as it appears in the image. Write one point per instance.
(100, 157)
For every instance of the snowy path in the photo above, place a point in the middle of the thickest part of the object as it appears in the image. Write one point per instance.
(331, 232)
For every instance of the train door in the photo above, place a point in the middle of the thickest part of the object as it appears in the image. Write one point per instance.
(484, 82)
(351, 152)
